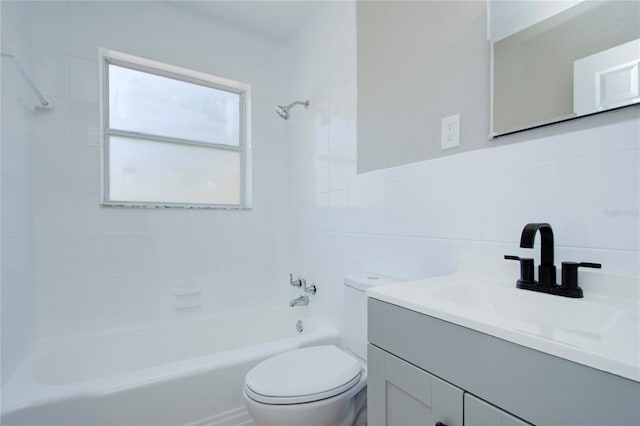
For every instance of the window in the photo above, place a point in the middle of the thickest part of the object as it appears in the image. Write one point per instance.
(172, 136)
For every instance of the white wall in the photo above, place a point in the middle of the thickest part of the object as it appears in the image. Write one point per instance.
(16, 124)
(416, 220)
(100, 268)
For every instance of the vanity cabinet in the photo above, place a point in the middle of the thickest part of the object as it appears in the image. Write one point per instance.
(480, 413)
(423, 370)
(402, 394)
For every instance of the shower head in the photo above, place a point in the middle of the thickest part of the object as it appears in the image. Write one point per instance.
(283, 111)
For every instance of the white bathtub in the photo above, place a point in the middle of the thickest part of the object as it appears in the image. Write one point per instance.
(182, 373)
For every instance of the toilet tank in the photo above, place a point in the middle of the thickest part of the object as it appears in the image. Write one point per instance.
(355, 306)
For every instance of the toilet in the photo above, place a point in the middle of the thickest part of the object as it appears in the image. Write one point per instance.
(318, 385)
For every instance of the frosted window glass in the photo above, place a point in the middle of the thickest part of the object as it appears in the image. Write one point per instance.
(142, 170)
(148, 103)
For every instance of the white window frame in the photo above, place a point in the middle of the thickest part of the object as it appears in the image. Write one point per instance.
(107, 57)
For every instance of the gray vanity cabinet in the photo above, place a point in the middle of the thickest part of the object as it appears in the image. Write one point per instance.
(401, 394)
(479, 413)
(423, 370)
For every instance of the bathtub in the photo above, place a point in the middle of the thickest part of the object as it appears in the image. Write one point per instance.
(188, 372)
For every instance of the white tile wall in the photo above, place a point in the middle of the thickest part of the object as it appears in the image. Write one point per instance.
(17, 290)
(416, 220)
(99, 268)
(52, 125)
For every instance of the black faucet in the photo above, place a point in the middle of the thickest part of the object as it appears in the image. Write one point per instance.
(547, 270)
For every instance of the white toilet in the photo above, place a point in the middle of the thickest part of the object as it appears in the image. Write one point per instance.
(318, 385)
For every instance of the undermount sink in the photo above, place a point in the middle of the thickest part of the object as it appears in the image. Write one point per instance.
(549, 313)
(600, 330)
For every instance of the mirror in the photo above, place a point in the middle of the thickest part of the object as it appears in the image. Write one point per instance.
(557, 60)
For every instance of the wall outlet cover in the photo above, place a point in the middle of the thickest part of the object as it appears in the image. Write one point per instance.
(450, 133)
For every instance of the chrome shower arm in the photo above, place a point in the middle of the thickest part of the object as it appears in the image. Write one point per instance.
(305, 103)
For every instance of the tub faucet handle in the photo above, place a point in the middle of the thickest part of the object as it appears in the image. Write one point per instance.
(309, 288)
(297, 282)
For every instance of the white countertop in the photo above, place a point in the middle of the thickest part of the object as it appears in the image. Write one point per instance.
(600, 330)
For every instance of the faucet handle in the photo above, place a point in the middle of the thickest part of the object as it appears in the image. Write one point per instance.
(309, 289)
(526, 268)
(570, 274)
(295, 283)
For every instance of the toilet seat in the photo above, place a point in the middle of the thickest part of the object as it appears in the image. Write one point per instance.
(303, 375)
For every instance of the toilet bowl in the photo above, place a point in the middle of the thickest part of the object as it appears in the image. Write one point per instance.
(318, 385)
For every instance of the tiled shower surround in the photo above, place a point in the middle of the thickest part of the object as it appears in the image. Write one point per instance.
(103, 268)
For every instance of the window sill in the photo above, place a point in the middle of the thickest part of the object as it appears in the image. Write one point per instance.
(118, 205)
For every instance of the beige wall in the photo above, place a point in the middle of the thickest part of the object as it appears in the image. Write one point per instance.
(419, 62)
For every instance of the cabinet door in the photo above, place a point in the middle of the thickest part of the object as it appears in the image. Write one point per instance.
(480, 413)
(400, 394)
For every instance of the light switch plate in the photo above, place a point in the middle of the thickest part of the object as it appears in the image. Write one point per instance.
(450, 134)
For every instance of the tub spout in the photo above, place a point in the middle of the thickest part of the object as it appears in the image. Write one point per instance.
(300, 301)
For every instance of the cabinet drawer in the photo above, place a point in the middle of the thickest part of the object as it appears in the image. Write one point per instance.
(479, 413)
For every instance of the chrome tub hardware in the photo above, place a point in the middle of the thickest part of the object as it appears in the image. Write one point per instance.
(300, 301)
(297, 282)
(299, 326)
(283, 110)
(308, 289)
(302, 283)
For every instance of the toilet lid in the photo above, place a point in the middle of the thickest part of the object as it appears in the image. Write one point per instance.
(303, 375)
